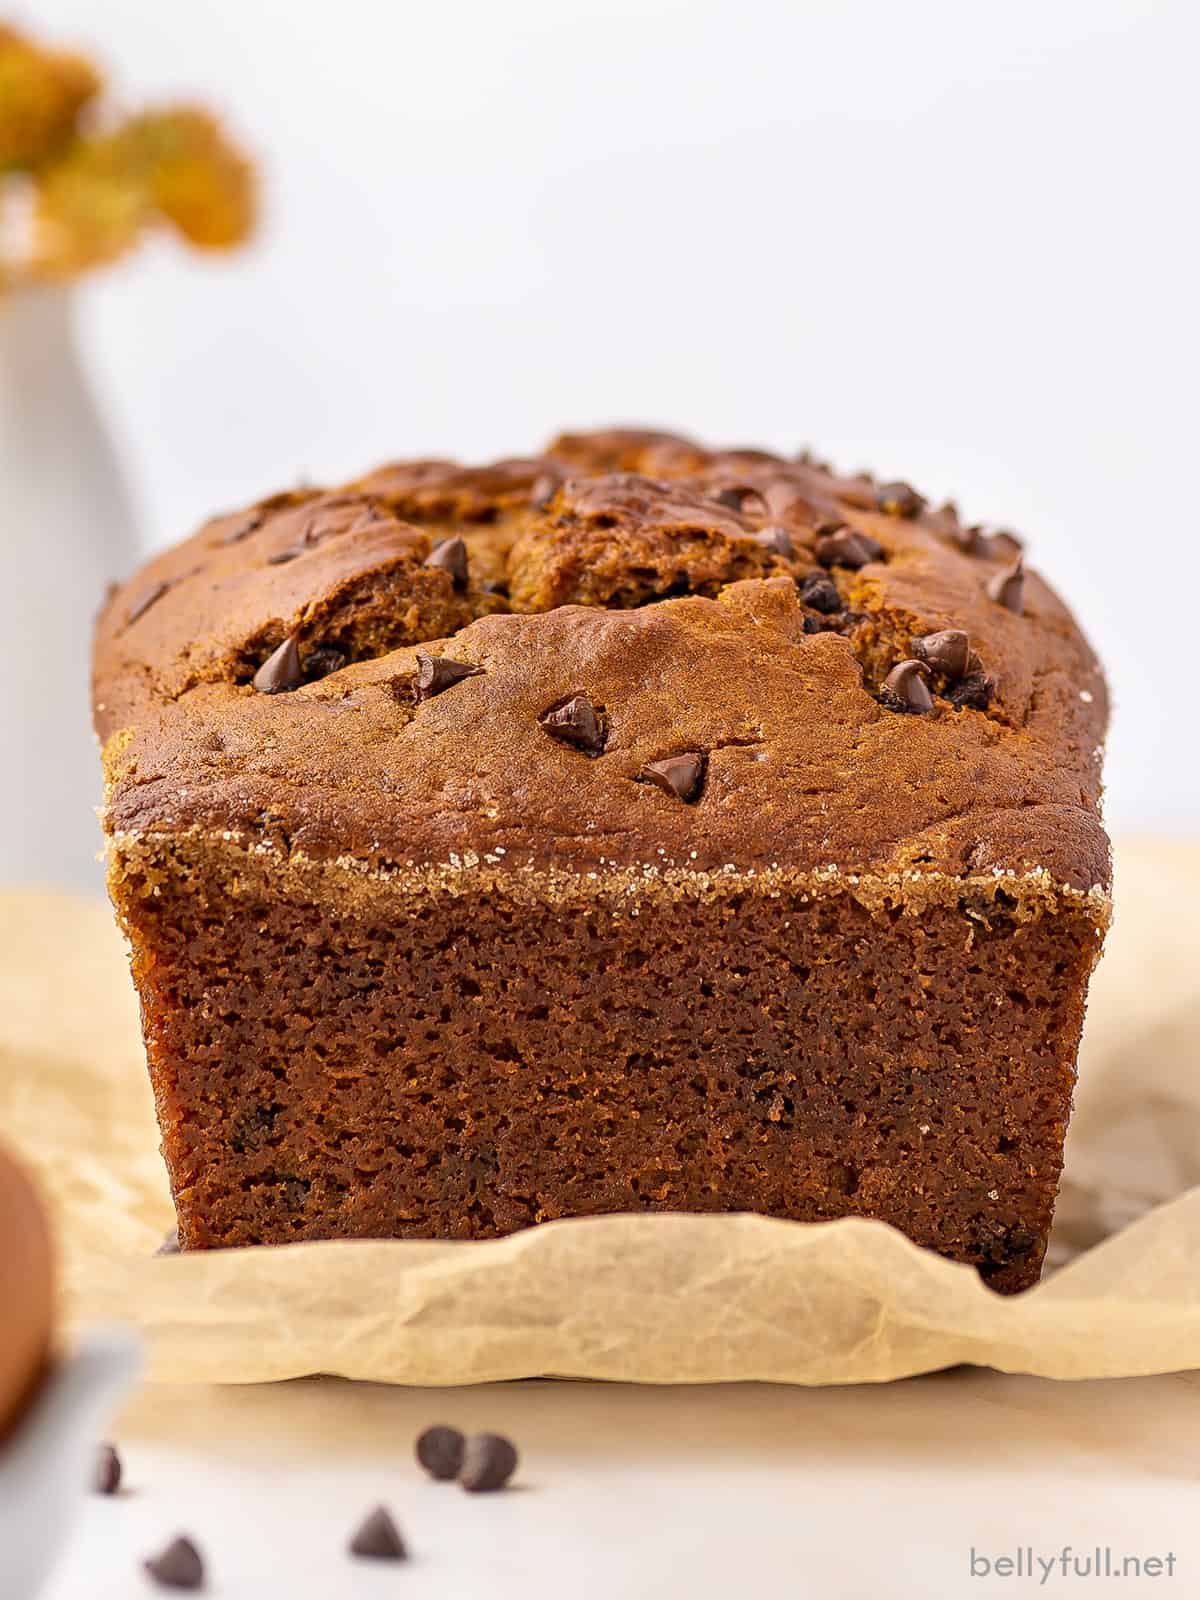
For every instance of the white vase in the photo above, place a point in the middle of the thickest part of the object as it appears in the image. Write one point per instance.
(66, 530)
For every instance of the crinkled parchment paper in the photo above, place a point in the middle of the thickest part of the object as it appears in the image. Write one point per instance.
(664, 1299)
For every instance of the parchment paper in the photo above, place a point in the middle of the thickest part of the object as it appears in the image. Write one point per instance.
(664, 1299)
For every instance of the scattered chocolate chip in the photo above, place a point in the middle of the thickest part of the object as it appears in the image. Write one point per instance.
(177, 1567)
(435, 673)
(971, 540)
(378, 1538)
(170, 1245)
(742, 497)
(975, 690)
(906, 688)
(281, 671)
(1007, 588)
(440, 1451)
(282, 557)
(544, 489)
(1003, 545)
(682, 776)
(151, 597)
(451, 556)
(489, 1461)
(947, 652)
(321, 660)
(776, 539)
(106, 1471)
(819, 591)
(576, 722)
(848, 547)
(899, 500)
(243, 529)
(494, 586)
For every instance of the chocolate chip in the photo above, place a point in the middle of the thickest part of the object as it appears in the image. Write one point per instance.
(776, 539)
(321, 660)
(106, 1471)
(177, 1567)
(489, 1461)
(544, 489)
(151, 597)
(243, 529)
(975, 690)
(1007, 588)
(1003, 545)
(435, 673)
(682, 776)
(494, 586)
(899, 500)
(848, 547)
(440, 1451)
(281, 671)
(971, 540)
(378, 1538)
(282, 557)
(947, 652)
(821, 593)
(576, 722)
(451, 556)
(170, 1245)
(739, 497)
(906, 688)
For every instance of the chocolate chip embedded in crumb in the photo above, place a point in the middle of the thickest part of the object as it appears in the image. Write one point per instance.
(179, 1566)
(1004, 545)
(976, 690)
(243, 529)
(489, 1461)
(494, 586)
(140, 606)
(106, 1471)
(947, 652)
(776, 539)
(322, 660)
(848, 547)
(377, 1538)
(435, 673)
(576, 722)
(1007, 588)
(742, 497)
(821, 593)
(906, 688)
(440, 1451)
(681, 776)
(451, 556)
(281, 671)
(282, 557)
(899, 500)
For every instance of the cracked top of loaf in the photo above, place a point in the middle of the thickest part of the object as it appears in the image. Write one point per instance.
(630, 655)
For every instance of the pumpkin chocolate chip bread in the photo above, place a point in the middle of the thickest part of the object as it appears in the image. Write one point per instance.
(638, 826)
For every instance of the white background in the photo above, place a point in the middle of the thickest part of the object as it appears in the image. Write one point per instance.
(953, 241)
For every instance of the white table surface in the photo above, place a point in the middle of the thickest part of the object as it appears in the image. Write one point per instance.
(624, 1491)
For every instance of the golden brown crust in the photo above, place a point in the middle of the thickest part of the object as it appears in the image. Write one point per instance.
(665, 584)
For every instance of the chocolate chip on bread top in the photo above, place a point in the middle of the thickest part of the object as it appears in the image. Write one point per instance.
(631, 826)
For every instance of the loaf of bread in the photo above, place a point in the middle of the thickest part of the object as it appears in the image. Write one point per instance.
(637, 826)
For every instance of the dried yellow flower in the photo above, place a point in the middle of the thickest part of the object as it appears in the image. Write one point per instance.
(42, 93)
(194, 176)
(95, 189)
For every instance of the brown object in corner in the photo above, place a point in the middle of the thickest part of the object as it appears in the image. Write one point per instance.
(446, 965)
